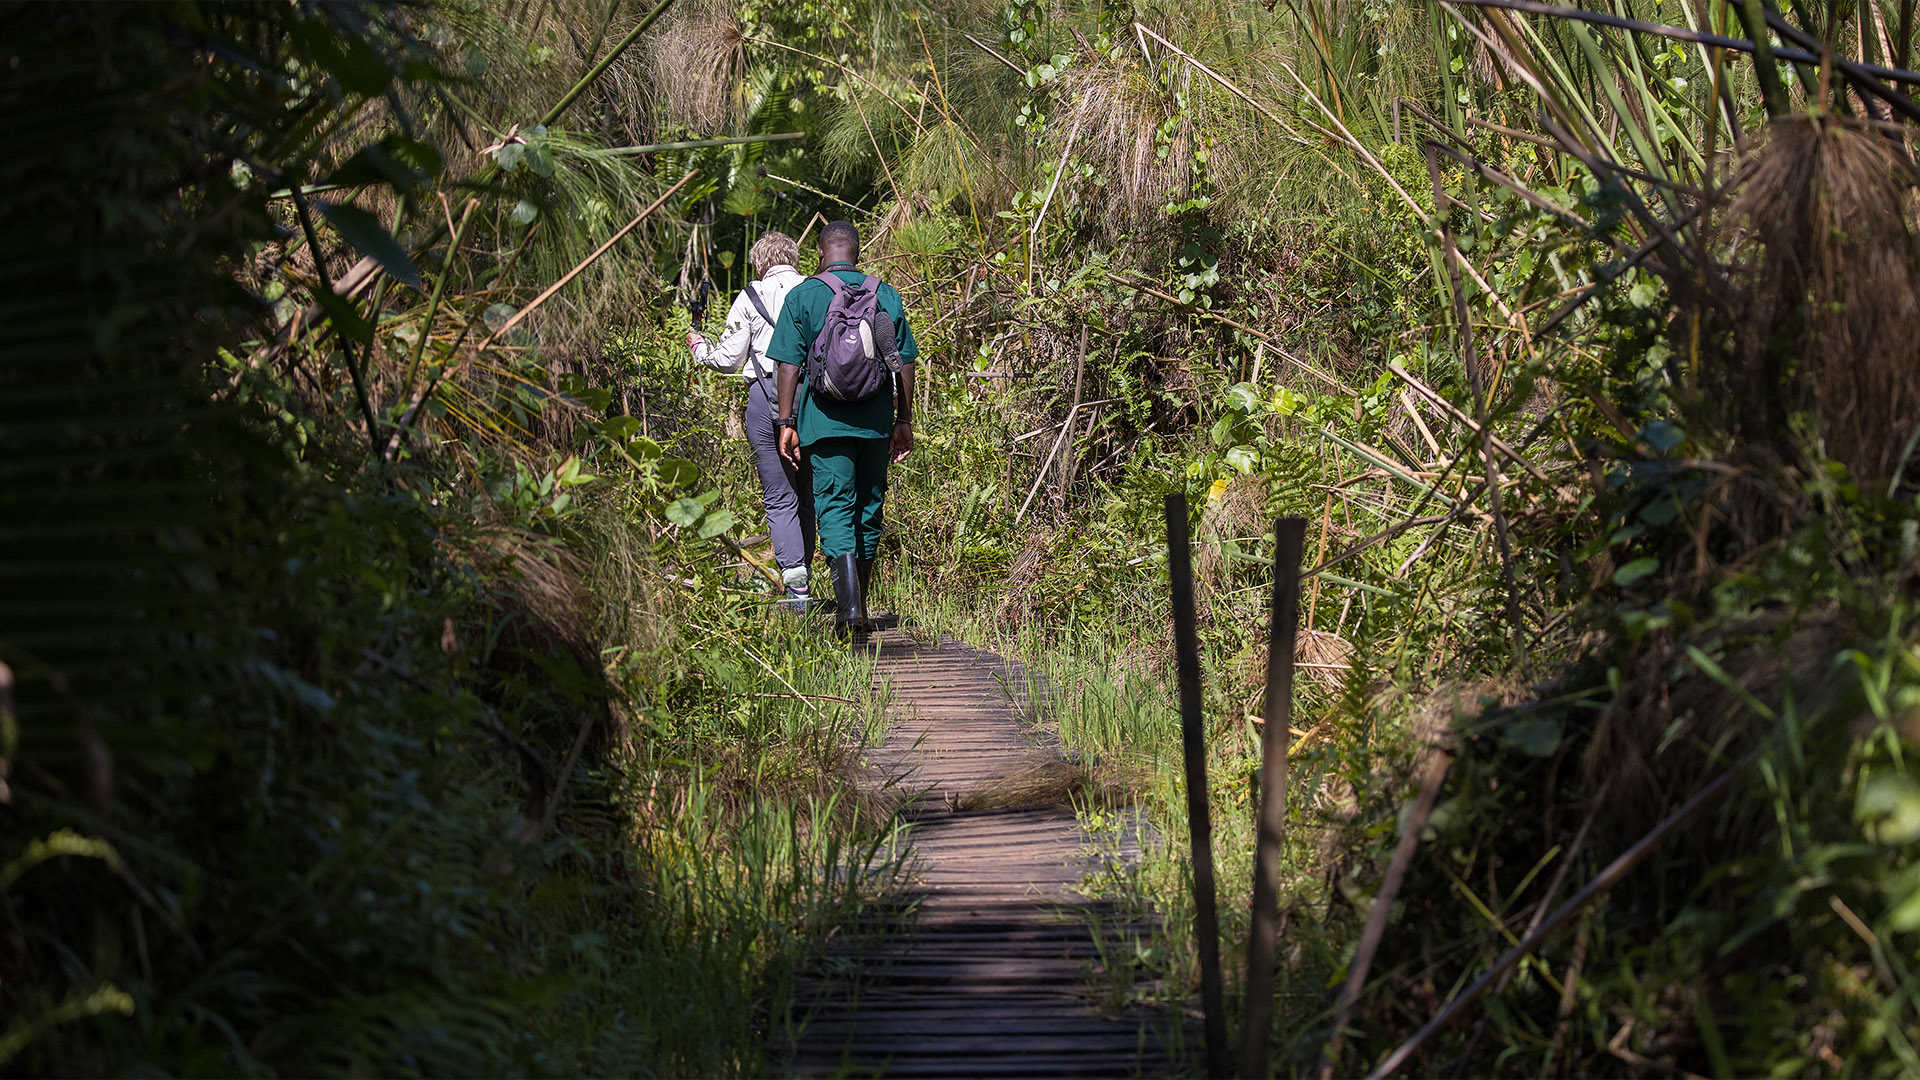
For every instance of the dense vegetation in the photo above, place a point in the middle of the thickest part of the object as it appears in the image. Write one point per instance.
(390, 682)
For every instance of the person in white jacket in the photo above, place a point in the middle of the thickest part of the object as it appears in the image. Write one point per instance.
(786, 491)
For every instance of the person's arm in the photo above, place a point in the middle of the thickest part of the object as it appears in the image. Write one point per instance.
(787, 349)
(903, 382)
(785, 381)
(903, 413)
(729, 354)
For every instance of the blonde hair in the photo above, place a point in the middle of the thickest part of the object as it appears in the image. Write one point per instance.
(771, 250)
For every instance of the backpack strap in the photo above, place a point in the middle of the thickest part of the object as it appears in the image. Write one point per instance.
(759, 305)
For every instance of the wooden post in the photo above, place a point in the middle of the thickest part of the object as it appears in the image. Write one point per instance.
(1193, 734)
(1289, 537)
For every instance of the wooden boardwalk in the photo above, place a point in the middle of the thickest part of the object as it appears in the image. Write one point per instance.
(985, 970)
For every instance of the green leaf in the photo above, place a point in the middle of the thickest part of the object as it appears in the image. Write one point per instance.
(1663, 435)
(716, 523)
(345, 317)
(1904, 896)
(1634, 571)
(1535, 736)
(496, 315)
(524, 213)
(1661, 511)
(539, 159)
(508, 156)
(351, 60)
(396, 160)
(1888, 809)
(369, 237)
(685, 512)
(676, 472)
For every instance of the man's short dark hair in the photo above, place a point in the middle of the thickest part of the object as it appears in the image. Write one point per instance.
(836, 233)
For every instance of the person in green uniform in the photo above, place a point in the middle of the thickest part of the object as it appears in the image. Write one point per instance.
(848, 444)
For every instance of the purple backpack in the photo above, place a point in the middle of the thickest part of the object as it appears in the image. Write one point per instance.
(855, 355)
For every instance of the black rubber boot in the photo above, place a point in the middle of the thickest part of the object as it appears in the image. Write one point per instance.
(850, 614)
(875, 617)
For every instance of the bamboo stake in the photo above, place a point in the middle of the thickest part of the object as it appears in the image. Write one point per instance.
(1193, 738)
(1289, 535)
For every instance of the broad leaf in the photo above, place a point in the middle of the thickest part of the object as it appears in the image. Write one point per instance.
(369, 237)
(1634, 571)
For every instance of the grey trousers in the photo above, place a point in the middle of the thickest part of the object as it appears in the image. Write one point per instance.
(787, 492)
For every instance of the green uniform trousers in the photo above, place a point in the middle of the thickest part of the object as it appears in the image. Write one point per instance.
(849, 489)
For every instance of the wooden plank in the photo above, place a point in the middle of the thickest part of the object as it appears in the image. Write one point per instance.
(982, 968)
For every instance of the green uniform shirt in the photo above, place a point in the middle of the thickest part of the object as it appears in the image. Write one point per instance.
(795, 328)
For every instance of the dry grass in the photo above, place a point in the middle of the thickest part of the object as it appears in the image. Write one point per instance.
(1115, 110)
(1017, 596)
(1835, 276)
(1324, 660)
(1058, 782)
(697, 61)
(1240, 510)
(542, 577)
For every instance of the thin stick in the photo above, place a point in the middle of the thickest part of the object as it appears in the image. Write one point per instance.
(1359, 147)
(606, 62)
(1413, 413)
(1606, 879)
(1681, 33)
(1065, 429)
(808, 697)
(353, 368)
(1450, 253)
(566, 773)
(1376, 927)
(696, 144)
(534, 304)
(1134, 283)
(1289, 536)
(1193, 738)
(1433, 395)
(995, 53)
(459, 233)
(1073, 134)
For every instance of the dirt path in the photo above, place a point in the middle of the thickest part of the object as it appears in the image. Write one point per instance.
(986, 970)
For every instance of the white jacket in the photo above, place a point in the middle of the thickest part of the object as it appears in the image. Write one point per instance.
(742, 348)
